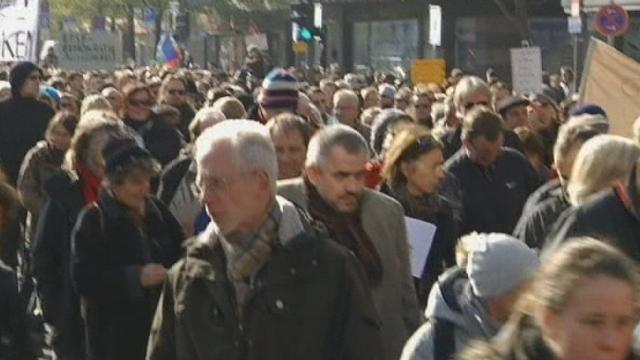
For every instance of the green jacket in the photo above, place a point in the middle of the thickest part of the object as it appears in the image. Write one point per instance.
(308, 301)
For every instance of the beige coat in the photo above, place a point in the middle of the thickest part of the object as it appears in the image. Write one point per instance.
(395, 297)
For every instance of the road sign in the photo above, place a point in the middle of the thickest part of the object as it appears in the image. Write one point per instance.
(612, 20)
(575, 25)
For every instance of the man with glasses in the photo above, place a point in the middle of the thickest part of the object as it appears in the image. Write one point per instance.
(23, 119)
(262, 281)
(174, 92)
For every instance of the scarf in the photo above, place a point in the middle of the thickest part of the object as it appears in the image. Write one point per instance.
(426, 207)
(247, 253)
(90, 184)
(347, 230)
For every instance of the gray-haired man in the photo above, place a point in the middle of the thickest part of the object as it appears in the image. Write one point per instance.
(261, 282)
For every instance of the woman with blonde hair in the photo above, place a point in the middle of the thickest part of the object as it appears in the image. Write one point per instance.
(602, 162)
(412, 173)
(583, 304)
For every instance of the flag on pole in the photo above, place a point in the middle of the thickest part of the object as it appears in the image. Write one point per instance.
(168, 52)
(612, 80)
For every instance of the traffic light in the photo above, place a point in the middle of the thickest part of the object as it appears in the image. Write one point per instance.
(302, 20)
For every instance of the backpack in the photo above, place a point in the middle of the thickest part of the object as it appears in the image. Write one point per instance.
(444, 341)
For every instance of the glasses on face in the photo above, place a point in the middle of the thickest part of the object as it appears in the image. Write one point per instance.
(140, 103)
(470, 106)
(217, 184)
(176, 92)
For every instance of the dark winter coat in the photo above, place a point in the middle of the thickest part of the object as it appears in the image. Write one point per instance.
(178, 191)
(186, 116)
(308, 301)
(613, 217)
(23, 122)
(436, 210)
(160, 139)
(535, 224)
(51, 256)
(14, 336)
(108, 251)
(493, 197)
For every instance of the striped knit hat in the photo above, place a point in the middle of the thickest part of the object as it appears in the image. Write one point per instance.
(279, 90)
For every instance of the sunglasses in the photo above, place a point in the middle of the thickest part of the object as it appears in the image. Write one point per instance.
(138, 103)
(175, 92)
(469, 106)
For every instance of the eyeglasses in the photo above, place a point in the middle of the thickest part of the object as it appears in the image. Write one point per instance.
(176, 92)
(217, 185)
(469, 106)
(139, 103)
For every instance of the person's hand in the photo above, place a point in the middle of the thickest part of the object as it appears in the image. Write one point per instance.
(152, 275)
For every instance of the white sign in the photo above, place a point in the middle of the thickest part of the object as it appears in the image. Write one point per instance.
(19, 30)
(435, 25)
(257, 40)
(575, 25)
(317, 15)
(89, 51)
(420, 235)
(526, 70)
(591, 6)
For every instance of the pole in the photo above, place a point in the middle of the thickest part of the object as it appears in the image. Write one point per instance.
(575, 53)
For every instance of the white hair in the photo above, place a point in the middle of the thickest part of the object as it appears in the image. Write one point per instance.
(347, 93)
(326, 139)
(469, 85)
(251, 145)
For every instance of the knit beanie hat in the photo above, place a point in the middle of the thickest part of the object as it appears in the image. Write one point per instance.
(590, 109)
(279, 90)
(53, 93)
(19, 74)
(498, 264)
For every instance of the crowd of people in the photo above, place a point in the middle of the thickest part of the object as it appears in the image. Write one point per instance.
(188, 214)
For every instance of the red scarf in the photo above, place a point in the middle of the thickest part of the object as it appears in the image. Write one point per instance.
(90, 184)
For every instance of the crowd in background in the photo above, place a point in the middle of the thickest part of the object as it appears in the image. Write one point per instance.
(106, 186)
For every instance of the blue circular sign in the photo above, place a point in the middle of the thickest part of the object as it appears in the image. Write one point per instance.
(612, 20)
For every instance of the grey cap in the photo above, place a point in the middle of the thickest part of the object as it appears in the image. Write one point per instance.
(498, 264)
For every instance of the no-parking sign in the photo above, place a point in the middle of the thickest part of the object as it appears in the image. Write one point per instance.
(612, 20)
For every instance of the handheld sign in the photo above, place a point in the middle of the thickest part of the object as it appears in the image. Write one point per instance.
(612, 20)
(19, 30)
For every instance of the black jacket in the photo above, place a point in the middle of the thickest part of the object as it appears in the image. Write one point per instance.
(161, 140)
(437, 211)
(51, 254)
(171, 177)
(109, 250)
(186, 116)
(23, 122)
(14, 337)
(537, 221)
(612, 217)
(493, 197)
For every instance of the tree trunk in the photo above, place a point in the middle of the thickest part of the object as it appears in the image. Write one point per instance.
(130, 36)
(157, 30)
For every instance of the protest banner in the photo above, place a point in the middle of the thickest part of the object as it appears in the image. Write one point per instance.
(526, 70)
(89, 51)
(612, 80)
(19, 30)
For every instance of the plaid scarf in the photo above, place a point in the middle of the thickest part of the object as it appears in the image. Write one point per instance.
(246, 254)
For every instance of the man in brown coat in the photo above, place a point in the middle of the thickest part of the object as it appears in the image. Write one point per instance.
(262, 282)
(368, 223)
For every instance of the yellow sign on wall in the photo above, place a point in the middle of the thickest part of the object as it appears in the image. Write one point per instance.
(424, 71)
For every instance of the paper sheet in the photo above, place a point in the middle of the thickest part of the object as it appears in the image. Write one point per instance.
(420, 235)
